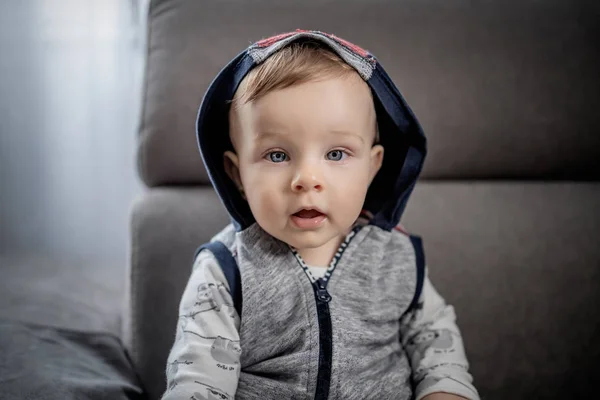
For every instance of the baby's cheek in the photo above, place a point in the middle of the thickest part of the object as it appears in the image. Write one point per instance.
(269, 202)
(350, 197)
(267, 209)
(355, 179)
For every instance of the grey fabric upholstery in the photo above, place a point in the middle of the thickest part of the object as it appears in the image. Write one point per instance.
(167, 225)
(44, 362)
(32, 291)
(519, 261)
(504, 89)
(521, 264)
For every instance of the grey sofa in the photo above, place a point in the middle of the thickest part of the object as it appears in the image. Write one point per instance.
(508, 93)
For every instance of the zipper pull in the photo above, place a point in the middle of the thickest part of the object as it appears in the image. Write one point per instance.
(322, 294)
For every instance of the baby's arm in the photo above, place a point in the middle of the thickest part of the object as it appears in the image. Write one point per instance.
(435, 349)
(205, 358)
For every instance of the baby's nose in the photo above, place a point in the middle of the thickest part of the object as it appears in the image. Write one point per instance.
(307, 178)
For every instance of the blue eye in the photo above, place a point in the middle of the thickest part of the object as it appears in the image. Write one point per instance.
(336, 155)
(277, 156)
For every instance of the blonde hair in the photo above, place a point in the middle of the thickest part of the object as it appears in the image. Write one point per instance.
(292, 65)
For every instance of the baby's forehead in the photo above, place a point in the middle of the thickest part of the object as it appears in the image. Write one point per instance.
(325, 135)
(317, 109)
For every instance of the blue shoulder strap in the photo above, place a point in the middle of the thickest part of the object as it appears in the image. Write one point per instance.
(230, 270)
(417, 243)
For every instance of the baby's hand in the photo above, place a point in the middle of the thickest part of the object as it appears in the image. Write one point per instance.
(443, 396)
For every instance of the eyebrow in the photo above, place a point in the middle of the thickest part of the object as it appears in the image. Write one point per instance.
(268, 134)
(346, 133)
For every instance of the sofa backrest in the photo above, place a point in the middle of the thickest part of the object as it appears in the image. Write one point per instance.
(505, 89)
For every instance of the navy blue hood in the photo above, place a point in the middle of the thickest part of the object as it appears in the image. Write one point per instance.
(399, 131)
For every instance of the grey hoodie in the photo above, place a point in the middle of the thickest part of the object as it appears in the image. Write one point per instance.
(336, 338)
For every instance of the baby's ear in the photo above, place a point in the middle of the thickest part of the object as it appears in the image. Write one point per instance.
(231, 163)
(376, 160)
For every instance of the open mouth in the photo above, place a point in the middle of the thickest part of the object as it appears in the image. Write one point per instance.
(308, 214)
(308, 218)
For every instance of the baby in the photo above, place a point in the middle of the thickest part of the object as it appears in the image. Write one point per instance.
(314, 290)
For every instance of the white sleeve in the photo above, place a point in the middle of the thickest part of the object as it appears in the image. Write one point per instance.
(204, 361)
(435, 347)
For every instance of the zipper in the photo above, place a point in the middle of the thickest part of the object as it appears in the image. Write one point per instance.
(323, 298)
(325, 340)
(321, 292)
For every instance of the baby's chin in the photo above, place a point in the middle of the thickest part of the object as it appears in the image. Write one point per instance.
(306, 239)
(312, 240)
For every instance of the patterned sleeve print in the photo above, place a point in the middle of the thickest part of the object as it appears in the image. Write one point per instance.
(435, 348)
(204, 362)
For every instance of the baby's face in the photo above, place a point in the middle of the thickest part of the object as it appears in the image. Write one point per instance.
(305, 158)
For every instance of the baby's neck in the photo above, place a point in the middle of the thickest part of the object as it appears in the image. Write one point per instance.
(321, 256)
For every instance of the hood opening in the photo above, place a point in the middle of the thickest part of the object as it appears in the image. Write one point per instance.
(399, 132)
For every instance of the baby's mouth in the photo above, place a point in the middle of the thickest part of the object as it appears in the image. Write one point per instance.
(308, 219)
(308, 214)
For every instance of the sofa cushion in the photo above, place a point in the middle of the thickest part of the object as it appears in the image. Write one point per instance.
(521, 264)
(77, 294)
(167, 227)
(519, 261)
(43, 362)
